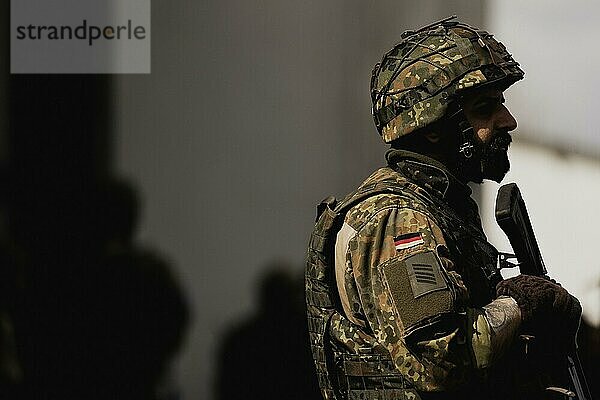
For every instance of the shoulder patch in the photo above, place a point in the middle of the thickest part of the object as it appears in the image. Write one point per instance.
(425, 273)
(418, 287)
(408, 240)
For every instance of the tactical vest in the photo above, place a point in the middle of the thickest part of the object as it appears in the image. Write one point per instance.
(370, 376)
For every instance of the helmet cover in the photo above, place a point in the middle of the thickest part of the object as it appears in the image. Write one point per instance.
(416, 80)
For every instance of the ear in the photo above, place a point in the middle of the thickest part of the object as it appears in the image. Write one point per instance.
(432, 136)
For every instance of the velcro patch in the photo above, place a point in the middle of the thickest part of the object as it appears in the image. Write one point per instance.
(425, 273)
(418, 287)
(408, 240)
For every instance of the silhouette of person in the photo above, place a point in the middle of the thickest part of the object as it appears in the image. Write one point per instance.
(268, 355)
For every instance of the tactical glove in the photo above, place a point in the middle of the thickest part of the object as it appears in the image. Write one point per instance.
(547, 309)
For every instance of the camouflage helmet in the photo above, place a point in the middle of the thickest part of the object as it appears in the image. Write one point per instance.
(416, 80)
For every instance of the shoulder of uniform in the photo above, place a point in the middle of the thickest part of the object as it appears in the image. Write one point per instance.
(380, 205)
(384, 175)
(381, 176)
(384, 188)
(367, 208)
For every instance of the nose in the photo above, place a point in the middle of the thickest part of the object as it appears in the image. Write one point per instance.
(505, 120)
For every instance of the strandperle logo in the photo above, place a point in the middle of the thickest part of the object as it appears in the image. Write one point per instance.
(87, 32)
(80, 37)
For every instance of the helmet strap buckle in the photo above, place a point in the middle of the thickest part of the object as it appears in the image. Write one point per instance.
(467, 149)
(457, 116)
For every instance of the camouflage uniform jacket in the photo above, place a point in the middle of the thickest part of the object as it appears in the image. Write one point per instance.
(415, 276)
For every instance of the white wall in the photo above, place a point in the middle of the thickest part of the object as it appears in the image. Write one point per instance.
(556, 108)
(561, 191)
(555, 42)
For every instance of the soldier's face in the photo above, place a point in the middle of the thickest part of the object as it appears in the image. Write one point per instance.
(491, 123)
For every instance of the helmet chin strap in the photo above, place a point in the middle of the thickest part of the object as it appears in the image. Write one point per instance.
(469, 159)
(466, 148)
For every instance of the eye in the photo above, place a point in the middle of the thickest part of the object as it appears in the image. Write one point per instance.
(486, 107)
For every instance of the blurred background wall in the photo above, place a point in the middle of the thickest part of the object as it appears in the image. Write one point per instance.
(556, 157)
(256, 110)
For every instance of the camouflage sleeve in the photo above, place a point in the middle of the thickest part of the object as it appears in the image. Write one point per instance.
(397, 281)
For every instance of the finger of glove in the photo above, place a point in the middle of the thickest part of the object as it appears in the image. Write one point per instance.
(567, 307)
(574, 315)
(563, 301)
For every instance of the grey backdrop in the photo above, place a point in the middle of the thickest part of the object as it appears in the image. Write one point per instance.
(254, 111)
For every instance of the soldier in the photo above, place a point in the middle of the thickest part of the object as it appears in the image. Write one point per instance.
(404, 296)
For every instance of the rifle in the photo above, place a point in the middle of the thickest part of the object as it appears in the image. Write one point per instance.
(512, 217)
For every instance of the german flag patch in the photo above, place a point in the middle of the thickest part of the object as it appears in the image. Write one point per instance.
(408, 240)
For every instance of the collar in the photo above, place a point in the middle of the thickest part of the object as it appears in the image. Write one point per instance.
(430, 174)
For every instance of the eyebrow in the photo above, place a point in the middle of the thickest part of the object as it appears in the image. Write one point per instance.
(490, 96)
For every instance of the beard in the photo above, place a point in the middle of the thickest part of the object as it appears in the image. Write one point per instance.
(494, 157)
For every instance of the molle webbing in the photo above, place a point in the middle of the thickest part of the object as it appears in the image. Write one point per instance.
(321, 290)
(371, 376)
(320, 305)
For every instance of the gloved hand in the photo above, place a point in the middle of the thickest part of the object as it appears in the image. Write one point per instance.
(547, 309)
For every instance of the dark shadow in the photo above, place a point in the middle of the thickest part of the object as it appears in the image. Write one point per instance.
(267, 356)
(93, 315)
(85, 313)
(588, 340)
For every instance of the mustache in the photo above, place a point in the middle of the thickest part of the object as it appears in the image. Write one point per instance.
(502, 139)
